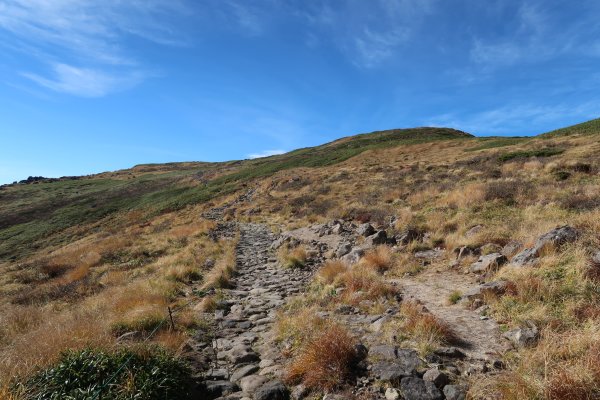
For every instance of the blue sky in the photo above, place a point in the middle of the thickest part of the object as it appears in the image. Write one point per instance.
(88, 86)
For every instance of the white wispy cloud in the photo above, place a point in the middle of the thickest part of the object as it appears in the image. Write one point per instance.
(512, 118)
(85, 82)
(537, 34)
(81, 42)
(266, 153)
(369, 33)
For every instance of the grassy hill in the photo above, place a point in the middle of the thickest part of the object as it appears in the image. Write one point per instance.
(84, 260)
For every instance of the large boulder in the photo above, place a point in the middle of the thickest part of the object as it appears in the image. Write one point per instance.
(555, 238)
(394, 363)
(490, 262)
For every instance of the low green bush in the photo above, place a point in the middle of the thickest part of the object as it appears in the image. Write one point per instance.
(149, 373)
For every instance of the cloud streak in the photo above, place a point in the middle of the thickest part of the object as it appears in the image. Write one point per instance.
(266, 153)
(510, 119)
(81, 43)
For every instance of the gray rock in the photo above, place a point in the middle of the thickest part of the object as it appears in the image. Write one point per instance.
(436, 376)
(596, 257)
(525, 336)
(391, 394)
(380, 237)
(251, 383)
(465, 251)
(391, 371)
(478, 292)
(474, 231)
(418, 389)
(365, 230)
(220, 388)
(455, 392)
(299, 392)
(490, 262)
(410, 235)
(511, 248)
(273, 390)
(241, 354)
(354, 256)
(243, 371)
(430, 254)
(343, 249)
(555, 238)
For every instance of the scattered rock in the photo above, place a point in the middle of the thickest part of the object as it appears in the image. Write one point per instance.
(429, 254)
(392, 394)
(410, 235)
(377, 238)
(251, 383)
(478, 292)
(343, 249)
(455, 392)
(273, 390)
(556, 237)
(436, 376)
(418, 389)
(365, 229)
(474, 231)
(216, 389)
(511, 248)
(354, 256)
(525, 336)
(465, 251)
(490, 262)
(243, 372)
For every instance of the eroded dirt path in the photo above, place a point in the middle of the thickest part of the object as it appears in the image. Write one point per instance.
(481, 335)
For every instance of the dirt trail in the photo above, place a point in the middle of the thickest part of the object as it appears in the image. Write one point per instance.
(481, 335)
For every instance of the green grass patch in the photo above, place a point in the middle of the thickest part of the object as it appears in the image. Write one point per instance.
(586, 128)
(492, 143)
(548, 152)
(148, 374)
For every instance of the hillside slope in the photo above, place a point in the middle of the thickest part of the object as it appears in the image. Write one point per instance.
(269, 270)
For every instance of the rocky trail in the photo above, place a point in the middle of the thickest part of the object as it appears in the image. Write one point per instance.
(479, 335)
(246, 362)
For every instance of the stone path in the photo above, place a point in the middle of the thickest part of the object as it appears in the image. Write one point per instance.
(248, 362)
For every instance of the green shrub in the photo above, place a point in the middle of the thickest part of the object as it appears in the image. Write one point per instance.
(86, 374)
(547, 152)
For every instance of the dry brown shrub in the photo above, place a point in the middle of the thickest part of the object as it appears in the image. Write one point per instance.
(331, 269)
(378, 259)
(326, 361)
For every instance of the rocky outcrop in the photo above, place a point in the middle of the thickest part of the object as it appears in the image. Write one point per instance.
(555, 238)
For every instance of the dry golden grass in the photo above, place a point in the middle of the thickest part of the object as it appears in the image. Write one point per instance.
(378, 259)
(292, 257)
(563, 366)
(421, 328)
(325, 361)
(299, 326)
(363, 284)
(331, 270)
